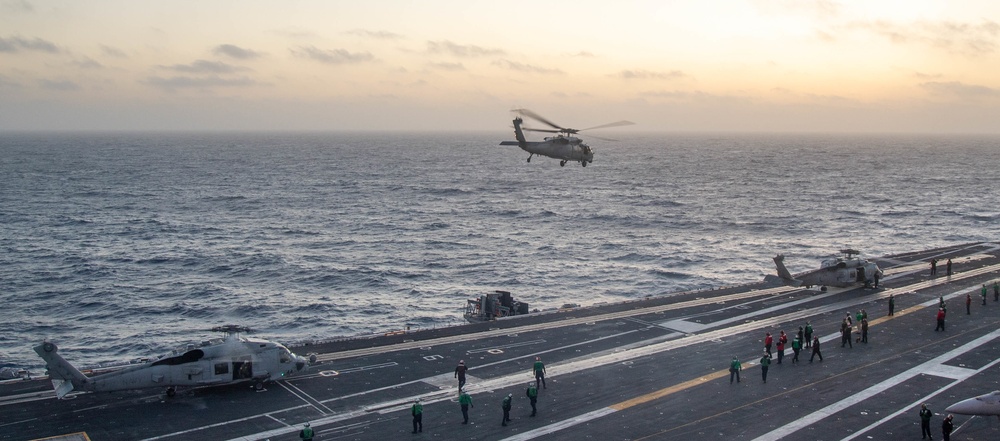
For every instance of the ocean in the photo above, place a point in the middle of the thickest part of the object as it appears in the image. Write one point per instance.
(126, 245)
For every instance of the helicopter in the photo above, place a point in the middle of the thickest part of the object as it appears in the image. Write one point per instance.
(839, 272)
(565, 147)
(232, 359)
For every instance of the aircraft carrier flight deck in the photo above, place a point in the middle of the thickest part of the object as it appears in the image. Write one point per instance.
(651, 369)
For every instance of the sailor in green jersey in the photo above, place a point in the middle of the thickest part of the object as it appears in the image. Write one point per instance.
(539, 369)
(465, 401)
(796, 348)
(306, 434)
(418, 416)
(506, 408)
(734, 369)
(532, 394)
(765, 363)
(984, 294)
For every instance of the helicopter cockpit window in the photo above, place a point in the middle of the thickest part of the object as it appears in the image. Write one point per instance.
(286, 357)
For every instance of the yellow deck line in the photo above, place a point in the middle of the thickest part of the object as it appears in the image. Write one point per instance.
(722, 373)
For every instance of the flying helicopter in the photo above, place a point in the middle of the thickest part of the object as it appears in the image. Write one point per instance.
(228, 360)
(841, 272)
(564, 146)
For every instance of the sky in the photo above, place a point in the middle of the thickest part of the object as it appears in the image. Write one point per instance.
(913, 66)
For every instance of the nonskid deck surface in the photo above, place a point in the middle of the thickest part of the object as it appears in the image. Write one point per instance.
(651, 369)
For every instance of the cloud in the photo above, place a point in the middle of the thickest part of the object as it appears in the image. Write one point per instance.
(583, 54)
(7, 83)
(61, 85)
(86, 63)
(521, 67)
(959, 90)
(186, 82)
(332, 56)
(923, 76)
(15, 44)
(647, 75)
(377, 35)
(113, 52)
(208, 67)
(463, 51)
(237, 52)
(18, 6)
(447, 66)
(957, 37)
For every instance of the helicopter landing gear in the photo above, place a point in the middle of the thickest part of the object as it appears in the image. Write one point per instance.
(171, 391)
(258, 386)
(584, 163)
(529, 157)
(562, 163)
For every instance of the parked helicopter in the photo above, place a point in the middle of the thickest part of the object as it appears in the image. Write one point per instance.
(840, 272)
(563, 146)
(228, 360)
(988, 404)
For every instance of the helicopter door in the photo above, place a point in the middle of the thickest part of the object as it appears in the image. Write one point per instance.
(242, 369)
(861, 274)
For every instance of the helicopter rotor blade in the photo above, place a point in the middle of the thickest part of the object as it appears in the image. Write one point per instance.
(602, 139)
(614, 124)
(541, 130)
(539, 118)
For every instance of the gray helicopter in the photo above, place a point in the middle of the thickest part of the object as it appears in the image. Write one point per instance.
(228, 360)
(841, 272)
(563, 146)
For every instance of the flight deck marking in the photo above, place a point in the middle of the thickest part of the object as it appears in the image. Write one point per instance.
(558, 369)
(277, 420)
(306, 398)
(930, 367)
(334, 373)
(512, 345)
(594, 363)
(433, 357)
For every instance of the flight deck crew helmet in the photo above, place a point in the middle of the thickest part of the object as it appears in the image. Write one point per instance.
(307, 425)
(461, 361)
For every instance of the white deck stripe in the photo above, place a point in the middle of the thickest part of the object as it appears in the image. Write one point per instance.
(928, 367)
(560, 425)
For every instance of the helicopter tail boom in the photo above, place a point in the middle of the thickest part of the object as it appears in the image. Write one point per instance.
(783, 273)
(64, 376)
(518, 134)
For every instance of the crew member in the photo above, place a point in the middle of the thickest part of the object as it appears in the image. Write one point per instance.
(734, 369)
(532, 394)
(815, 346)
(460, 373)
(418, 416)
(946, 427)
(539, 369)
(765, 363)
(465, 401)
(506, 408)
(306, 434)
(925, 422)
